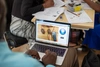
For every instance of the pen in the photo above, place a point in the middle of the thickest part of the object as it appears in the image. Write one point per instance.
(73, 13)
(60, 17)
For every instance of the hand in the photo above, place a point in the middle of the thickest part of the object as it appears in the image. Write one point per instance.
(87, 0)
(63, 0)
(48, 3)
(91, 0)
(49, 58)
(33, 53)
(45, 0)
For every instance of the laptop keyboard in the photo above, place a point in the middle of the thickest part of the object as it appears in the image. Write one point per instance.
(43, 48)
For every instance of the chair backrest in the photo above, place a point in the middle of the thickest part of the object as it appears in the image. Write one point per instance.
(13, 40)
(97, 18)
(9, 4)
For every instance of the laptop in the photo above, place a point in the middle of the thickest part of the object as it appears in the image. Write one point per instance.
(52, 35)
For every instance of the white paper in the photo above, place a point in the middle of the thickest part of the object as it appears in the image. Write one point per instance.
(83, 18)
(58, 3)
(49, 13)
(85, 6)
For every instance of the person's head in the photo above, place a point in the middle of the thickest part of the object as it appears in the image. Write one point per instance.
(2, 17)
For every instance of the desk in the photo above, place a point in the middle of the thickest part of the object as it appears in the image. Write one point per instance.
(69, 61)
(87, 25)
(84, 26)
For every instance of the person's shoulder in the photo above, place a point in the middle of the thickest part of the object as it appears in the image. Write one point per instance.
(25, 60)
(21, 56)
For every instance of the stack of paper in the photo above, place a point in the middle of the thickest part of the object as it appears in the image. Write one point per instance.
(82, 18)
(58, 3)
(49, 13)
(85, 6)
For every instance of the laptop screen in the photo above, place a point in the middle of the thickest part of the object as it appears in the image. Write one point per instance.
(52, 32)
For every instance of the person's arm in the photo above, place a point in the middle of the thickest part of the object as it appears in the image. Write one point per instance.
(33, 6)
(33, 53)
(49, 59)
(48, 3)
(93, 5)
(29, 7)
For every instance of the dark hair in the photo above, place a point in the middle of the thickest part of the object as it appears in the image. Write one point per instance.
(2, 18)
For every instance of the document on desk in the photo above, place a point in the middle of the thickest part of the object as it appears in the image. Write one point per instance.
(81, 18)
(85, 6)
(51, 13)
(58, 3)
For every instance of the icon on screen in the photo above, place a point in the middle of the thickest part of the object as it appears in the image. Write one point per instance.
(62, 37)
(62, 31)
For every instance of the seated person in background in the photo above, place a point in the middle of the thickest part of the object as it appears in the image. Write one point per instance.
(92, 37)
(13, 59)
(22, 11)
(94, 4)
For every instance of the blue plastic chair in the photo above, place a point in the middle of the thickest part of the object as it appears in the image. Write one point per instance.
(97, 19)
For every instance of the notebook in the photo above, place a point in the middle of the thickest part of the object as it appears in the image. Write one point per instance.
(52, 35)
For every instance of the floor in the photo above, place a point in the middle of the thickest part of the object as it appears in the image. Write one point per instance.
(81, 55)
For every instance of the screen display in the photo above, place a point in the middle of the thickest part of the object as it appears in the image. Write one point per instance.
(52, 32)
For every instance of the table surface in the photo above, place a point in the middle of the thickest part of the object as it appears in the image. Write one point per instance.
(86, 26)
